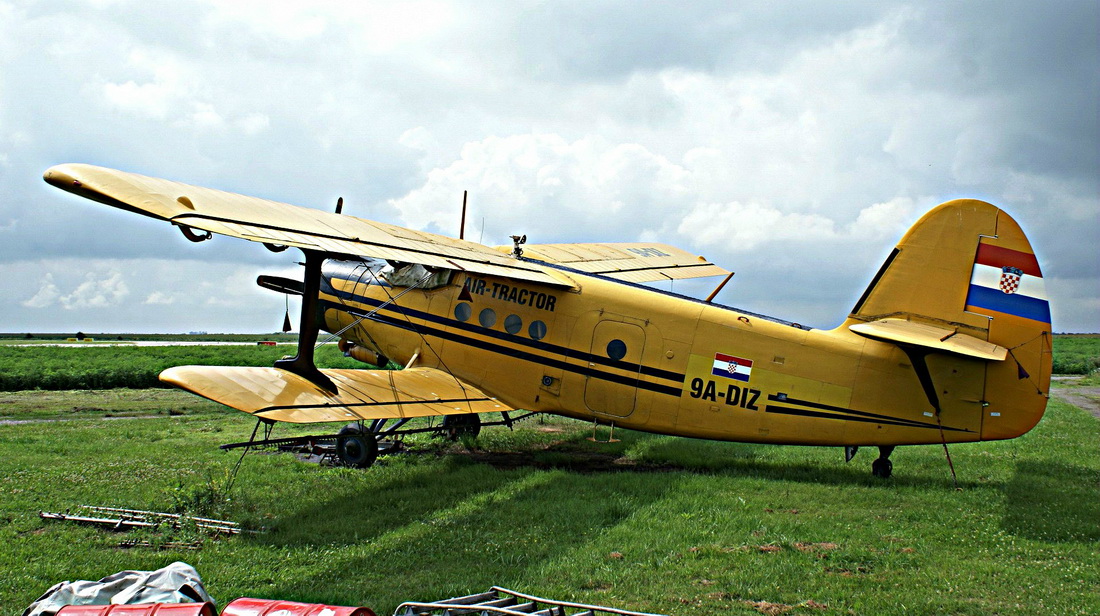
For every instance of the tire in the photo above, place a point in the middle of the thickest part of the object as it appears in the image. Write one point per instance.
(459, 426)
(882, 467)
(356, 448)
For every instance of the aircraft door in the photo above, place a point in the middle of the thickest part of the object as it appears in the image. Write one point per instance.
(614, 365)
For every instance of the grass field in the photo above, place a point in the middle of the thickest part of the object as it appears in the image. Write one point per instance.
(102, 367)
(1076, 354)
(651, 523)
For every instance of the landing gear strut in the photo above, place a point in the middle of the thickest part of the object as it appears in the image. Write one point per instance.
(882, 466)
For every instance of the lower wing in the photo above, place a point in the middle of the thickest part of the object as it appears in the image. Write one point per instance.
(279, 395)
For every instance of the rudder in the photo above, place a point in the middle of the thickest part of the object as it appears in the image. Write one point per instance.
(966, 266)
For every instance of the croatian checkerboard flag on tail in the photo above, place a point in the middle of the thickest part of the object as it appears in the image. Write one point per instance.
(730, 367)
(1009, 282)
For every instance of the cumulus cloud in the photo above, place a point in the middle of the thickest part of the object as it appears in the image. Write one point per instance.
(96, 292)
(549, 188)
(159, 298)
(47, 294)
(173, 296)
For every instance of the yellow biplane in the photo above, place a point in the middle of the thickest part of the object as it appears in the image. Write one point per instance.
(949, 343)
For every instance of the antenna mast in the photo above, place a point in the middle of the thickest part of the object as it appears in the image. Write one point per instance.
(462, 225)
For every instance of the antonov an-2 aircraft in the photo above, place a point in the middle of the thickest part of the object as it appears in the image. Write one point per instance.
(951, 341)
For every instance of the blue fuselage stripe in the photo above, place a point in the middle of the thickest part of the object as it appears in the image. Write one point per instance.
(511, 339)
(630, 380)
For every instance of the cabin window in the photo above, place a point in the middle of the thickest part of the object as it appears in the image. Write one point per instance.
(487, 317)
(463, 312)
(616, 349)
(537, 330)
(512, 324)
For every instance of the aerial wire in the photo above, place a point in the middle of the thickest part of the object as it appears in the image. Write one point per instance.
(423, 338)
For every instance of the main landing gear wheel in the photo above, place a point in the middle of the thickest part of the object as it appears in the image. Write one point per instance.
(355, 447)
(882, 466)
(459, 426)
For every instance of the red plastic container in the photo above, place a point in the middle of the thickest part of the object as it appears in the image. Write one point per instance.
(264, 607)
(140, 609)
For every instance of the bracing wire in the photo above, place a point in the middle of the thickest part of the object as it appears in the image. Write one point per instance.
(428, 345)
(392, 300)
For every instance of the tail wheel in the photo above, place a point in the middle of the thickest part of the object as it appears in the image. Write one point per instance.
(882, 467)
(459, 426)
(355, 447)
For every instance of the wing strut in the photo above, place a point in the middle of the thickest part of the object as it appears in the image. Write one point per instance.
(302, 364)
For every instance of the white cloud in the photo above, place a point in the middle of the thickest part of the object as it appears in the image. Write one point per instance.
(46, 295)
(741, 227)
(159, 298)
(96, 292)
(537, 183)
(64, 295)
(92, 292)
(254, 123)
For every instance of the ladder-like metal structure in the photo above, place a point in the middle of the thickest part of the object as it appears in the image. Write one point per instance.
(507, 603)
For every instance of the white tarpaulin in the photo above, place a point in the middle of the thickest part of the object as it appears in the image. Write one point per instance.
(176, 583)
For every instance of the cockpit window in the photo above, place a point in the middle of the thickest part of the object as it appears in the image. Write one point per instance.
(415, 275)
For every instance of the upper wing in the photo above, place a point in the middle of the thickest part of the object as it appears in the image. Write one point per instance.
(279, 395)
(637, 262)
(261, 220)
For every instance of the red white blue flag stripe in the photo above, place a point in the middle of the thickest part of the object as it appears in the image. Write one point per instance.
(1008, 282)
(730, 367)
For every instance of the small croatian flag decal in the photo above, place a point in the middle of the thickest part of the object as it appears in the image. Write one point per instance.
(730, 367)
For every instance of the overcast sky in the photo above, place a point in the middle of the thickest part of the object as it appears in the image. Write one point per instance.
(793, 143)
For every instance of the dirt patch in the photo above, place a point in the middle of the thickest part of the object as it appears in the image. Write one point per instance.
(1087, 398)
(776, 609)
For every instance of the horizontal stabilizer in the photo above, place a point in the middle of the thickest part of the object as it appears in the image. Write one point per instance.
(282, 224)
(901, 331)
(279, 395)
(631, 262)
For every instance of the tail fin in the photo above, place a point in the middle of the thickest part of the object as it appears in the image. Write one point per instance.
(967, 269)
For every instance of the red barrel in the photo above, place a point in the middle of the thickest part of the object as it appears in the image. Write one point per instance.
(141, 609)
(263, 607)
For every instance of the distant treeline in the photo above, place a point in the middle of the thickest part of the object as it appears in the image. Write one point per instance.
(25, 367)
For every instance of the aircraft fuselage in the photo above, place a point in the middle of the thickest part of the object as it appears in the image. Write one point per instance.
(628, 355)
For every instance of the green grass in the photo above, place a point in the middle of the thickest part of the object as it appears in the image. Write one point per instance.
(1076, 354)
(56, 368)
(650, 523)
(659, 524)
